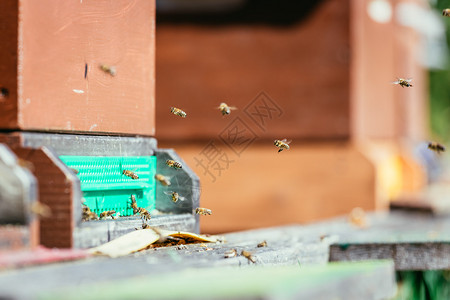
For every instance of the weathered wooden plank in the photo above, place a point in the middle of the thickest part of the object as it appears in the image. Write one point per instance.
(368, 280)
(415, 241)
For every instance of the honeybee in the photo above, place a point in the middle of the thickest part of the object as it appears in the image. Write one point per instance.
(108, 69)
(446, 12)
(225, 109)
(174, 164)
(357, 217)
(178, 112)
(88, 214)
(436, 147)
(145, 215)
(403, 82)
(248, 255)
(175, 196)
(130, 174)
(203, 211)
(262, 244)
(282, 144)
(165, 181)
(134, 204)
(107, 213)
(230, 253)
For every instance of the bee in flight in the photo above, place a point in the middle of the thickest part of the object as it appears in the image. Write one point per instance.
(164, 180)
(178, 112)
(225, 109)
(403, 82)
(248, 255)
(282, 144)
(111, 70)
(174, 164)
(203, 211)
(357, 217)
(446, 12)
(175, 196)
(436, 147)
(130, 174)
(107, 213)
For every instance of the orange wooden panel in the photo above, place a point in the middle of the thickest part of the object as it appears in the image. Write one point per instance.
(263, 188)
(303, 67)
(57, 42)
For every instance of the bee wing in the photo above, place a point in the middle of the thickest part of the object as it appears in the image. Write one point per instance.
(168, 193)
(395, 82)
(286, 141)
(408, 80)
(181, 198)
(233, 107)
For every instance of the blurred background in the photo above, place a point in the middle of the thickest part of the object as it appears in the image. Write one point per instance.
(318, 73)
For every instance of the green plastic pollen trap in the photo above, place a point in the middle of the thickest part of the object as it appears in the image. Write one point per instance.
(105, 187)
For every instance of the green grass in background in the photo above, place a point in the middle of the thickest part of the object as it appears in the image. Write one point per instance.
(440, 87)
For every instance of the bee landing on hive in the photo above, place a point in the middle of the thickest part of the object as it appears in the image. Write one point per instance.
(175, 196)
(173, 164)
(130, 174)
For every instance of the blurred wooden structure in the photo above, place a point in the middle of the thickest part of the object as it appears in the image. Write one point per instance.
(50, 61)
(325, 70)
(51, 81)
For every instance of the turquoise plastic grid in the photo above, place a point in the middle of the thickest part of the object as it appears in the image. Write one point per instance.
(104, 186)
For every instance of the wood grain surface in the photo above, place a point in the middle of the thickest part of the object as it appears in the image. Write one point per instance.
(59, 49)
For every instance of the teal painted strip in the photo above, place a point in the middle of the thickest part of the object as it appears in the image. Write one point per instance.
(105, 187)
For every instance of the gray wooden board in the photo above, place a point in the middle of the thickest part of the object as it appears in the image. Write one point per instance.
(285, 247)
(362, 280)
(415, 241)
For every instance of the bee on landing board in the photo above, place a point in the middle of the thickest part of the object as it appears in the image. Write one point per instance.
(88, 214)
(262, 244)
(203, 211)
(403, 82)
(225, 109)
(111, 70)
(130, 174)
(107, 213)
(178, 112)
(282, 144)
(436, 147)
(230, 253)
(248, 255)
(174, 164)
(446, 12)
(175, 196)
(164, 180)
